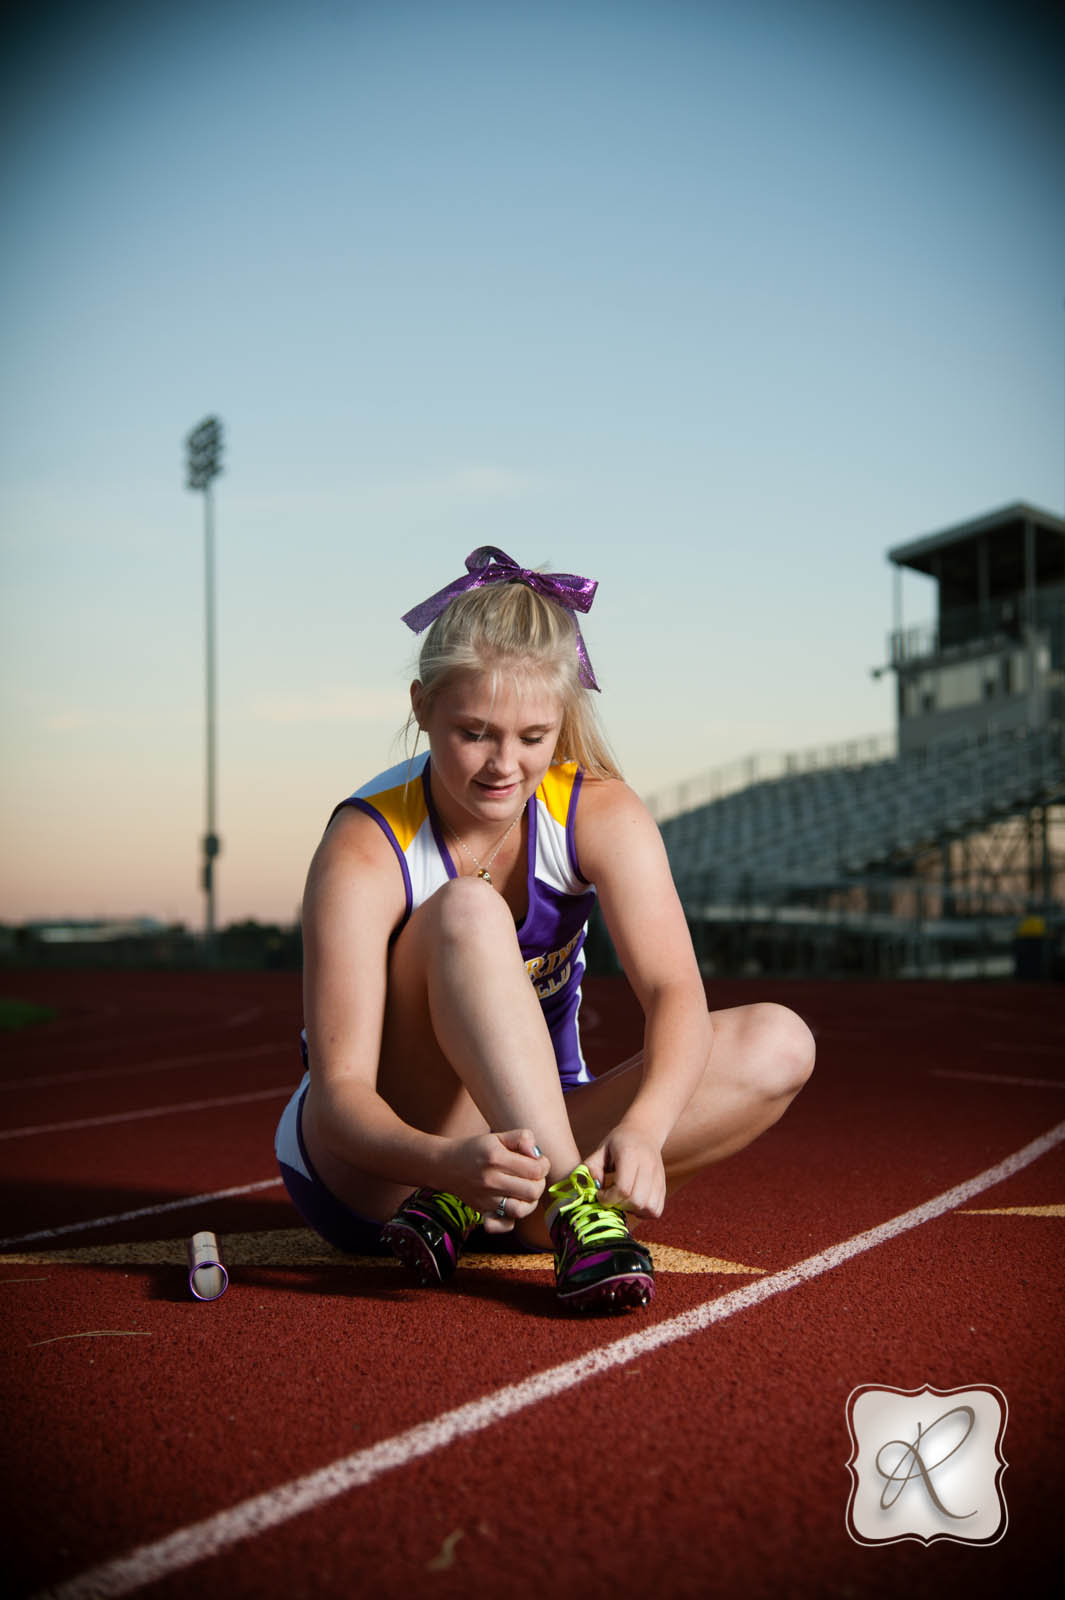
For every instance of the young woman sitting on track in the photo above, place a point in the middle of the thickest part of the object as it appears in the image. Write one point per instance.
(443, 924)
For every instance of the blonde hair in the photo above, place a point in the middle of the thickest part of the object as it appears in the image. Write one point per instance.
(509, 631)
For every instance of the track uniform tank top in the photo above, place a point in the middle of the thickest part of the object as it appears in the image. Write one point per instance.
(552, 933)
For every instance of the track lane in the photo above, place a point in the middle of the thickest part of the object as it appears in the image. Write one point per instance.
(192, 1545)
(346, 1358)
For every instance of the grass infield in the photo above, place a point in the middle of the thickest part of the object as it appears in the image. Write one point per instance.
(21, 1014)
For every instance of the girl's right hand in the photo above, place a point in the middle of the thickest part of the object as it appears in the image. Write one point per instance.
(491, 1167)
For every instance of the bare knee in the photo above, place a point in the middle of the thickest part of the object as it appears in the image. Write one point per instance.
(779, 1053)
(466, 911)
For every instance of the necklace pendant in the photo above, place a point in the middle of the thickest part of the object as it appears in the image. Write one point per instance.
(483, 872)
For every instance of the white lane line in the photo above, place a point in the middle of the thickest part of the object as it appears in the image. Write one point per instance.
(164, 1064)
(997, 1077)
(153, 1111)
(141, 1211)
(208, 1538)
(239, 1018)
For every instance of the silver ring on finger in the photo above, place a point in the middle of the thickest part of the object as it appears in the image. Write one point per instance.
(501, 1208)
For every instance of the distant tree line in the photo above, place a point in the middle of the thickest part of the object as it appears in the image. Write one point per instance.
(247, 946)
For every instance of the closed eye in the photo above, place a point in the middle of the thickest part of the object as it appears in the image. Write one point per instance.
(478, 735)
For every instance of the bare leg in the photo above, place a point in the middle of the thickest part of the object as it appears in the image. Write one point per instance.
(761, 1057)
(466, 1048)
(465, 1045)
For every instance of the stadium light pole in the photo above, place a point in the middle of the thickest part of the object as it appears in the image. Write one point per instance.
(204, 446)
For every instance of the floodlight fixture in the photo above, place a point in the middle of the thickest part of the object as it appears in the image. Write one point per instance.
(204, 446)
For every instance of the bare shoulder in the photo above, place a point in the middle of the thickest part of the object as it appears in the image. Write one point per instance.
(622, 853)
(611, 818)
(356, 860)
(352, 839)
(607, 797)
(354, 901)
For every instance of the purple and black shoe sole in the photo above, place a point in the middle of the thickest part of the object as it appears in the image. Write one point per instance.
(627, 1291)
(408, 1246)
(621, 1291)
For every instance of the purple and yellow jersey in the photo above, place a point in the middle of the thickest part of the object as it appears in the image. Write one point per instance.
(551, 935)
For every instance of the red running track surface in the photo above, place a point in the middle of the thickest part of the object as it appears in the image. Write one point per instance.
(327, 1429)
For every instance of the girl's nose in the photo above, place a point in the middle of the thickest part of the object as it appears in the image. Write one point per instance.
(502, 763)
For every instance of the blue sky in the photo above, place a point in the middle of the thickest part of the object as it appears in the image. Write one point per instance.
(714, 302)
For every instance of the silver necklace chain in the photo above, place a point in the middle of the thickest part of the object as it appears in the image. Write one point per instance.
(482, 871)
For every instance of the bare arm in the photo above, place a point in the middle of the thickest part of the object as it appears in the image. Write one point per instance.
(621, 851)
(353, 902)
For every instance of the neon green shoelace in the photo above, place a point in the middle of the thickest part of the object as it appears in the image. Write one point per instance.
(462, 1215)
(592, 1222)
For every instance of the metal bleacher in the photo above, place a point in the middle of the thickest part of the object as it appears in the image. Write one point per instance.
(808, 832)
(929, 852)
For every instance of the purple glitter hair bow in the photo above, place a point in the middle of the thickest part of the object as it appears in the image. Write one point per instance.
(489, 565)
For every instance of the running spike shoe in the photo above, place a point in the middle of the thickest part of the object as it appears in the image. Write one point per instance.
(428, 1232)
(599, 1266)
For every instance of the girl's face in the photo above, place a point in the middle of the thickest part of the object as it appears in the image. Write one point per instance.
(490, 746)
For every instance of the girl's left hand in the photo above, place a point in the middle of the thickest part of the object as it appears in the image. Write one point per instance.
(633, 1163)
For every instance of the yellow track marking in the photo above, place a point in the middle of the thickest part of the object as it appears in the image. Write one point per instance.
(670, 1258)
(446, 1558)
(298, 1247)
(1016, 1211)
